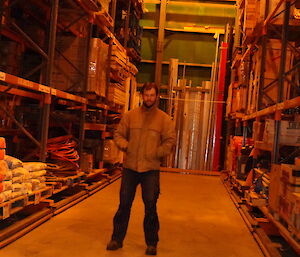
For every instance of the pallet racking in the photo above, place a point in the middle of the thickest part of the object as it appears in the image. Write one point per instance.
(263, 95)
(33, 91)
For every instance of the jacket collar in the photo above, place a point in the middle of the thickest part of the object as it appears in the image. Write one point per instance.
(148, 110)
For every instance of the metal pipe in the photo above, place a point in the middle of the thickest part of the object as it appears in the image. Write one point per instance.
(113, 13)
(126, 38)
(40, 66)
(294, 49)
(35, 45)
(284, 39)
(262, 72)
(84, 90)
(20, 126)
(75, 21)
(285, 74)
(69, 62)
(212, 93)
(48, 79)
(160, 42)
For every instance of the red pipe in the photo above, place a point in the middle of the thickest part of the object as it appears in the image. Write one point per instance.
(219, 108)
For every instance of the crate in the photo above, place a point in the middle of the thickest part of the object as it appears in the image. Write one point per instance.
(116, 94)
(104, 18)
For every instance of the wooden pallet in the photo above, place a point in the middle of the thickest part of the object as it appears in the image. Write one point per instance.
(61, 183)
(133, 55)
(12, 206)
(104, 18)
(254, 199)
(37, 196)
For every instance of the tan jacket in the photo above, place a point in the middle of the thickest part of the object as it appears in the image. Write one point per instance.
(146, 135)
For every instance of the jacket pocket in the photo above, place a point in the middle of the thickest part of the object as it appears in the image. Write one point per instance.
(152, 144)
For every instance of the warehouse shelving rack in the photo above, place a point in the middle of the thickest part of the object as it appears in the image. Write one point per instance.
(104, 25)
(259, 35)
(59, 195)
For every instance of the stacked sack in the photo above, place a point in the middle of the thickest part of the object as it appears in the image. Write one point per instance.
(5, 182)
(19, 176)
(5, 175)
(37, 172)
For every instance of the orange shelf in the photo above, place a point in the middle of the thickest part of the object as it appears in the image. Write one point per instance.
(292, 103)
(14, 80)
(94, 126)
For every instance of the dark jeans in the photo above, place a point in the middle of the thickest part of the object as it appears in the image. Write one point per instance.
(150, 190)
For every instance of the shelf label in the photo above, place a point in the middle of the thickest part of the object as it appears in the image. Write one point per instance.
(53, 91)
(37, 197)
(2, 76)
(44, 89)
(24, 82)
(6, 211)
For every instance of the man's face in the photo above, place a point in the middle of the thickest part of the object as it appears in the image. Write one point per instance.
(149, 97)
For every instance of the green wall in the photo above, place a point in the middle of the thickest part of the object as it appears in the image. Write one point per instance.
(198, 48)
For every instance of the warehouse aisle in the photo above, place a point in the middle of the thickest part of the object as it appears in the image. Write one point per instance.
(197, 217)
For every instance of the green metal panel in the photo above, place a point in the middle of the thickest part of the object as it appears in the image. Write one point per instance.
(196, 75)
(180, 16)
(151, 15)
(202, 9)
(190, 47)
(149, 45)
(187, 47)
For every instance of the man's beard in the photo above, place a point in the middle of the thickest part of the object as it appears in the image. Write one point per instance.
(148, 106)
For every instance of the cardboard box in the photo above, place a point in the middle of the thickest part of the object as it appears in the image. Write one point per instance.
(291, 174)
(289, 132)
(97, 74)
(274, 188)
(295, 211)
(68, 75)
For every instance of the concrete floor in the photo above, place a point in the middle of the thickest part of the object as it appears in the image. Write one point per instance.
(197, 218)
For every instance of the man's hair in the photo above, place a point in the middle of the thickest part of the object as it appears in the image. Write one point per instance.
(148, 86)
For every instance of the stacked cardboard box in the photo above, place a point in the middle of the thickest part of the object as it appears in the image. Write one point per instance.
(289, 185)
(116, 94)
(289, 132)
(272, 64)
(69, 65)
(97, 67)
